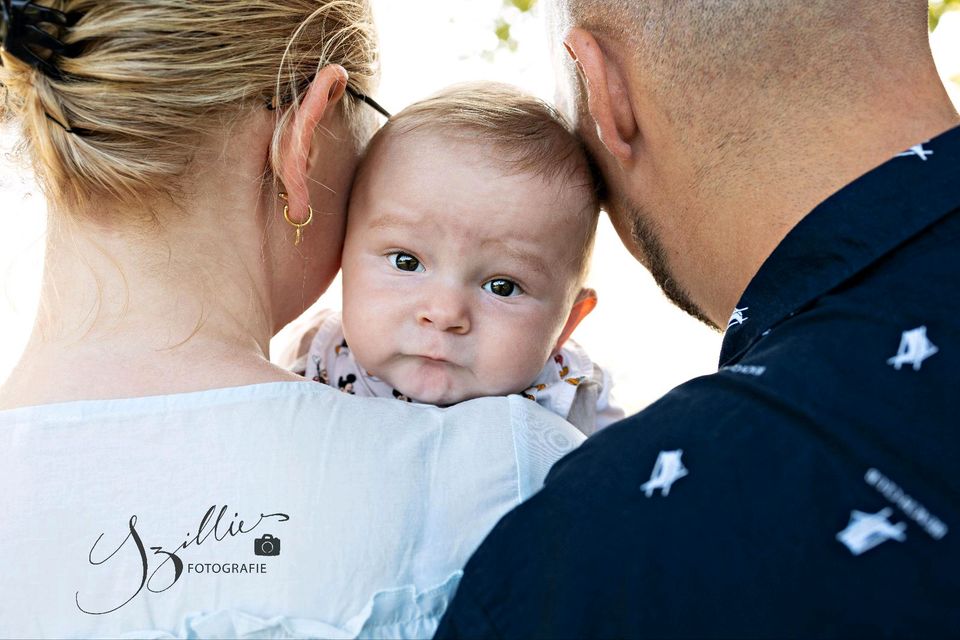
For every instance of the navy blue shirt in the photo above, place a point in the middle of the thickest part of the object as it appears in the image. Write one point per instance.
(809, 487)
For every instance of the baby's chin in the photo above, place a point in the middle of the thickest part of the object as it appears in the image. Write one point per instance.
(442, 383)
(439, 384)
(439, 395)
(445, 395)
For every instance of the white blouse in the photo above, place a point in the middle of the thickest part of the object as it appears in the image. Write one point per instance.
(280, 510)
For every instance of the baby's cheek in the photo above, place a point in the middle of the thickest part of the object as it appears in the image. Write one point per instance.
(515, 361)
(362, 337)
(360, 331)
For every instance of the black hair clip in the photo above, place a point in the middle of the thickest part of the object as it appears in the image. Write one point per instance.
(21, 31)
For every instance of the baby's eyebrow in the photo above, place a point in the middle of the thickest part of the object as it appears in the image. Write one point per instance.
(528, 259)
(390, 220)
(531, 260)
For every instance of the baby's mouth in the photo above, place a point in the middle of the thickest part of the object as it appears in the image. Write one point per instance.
(433, 360)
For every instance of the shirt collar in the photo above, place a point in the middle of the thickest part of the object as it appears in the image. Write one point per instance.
(845, 234)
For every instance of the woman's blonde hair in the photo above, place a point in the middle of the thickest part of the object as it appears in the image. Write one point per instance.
(144, 80)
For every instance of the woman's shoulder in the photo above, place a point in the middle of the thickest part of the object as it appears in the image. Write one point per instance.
(249, 396)
(341, 480)
(306, 414)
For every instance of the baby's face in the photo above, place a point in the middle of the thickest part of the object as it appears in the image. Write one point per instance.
(458, 278)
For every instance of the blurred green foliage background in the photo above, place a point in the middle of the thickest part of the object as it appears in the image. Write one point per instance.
(937, 9)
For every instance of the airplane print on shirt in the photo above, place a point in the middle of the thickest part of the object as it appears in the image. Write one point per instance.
(737, 318)
(667, 470)
(917, 150)
(914, 349)
(867, 530)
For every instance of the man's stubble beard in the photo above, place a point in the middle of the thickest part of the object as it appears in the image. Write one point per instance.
(645, 237)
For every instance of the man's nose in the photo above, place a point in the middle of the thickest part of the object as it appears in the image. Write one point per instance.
(447, 311)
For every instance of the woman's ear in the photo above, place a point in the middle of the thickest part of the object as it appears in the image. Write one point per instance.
(608, 96)
(319, 102)
(585, 303)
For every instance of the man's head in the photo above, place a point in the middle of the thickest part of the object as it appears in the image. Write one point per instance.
(469, 233)
(718, 124)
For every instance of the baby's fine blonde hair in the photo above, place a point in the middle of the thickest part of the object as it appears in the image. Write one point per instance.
(526, 134)
(144, 81)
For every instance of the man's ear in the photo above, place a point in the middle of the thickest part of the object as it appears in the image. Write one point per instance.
(608, 96)
(318, 102)
(584, 304)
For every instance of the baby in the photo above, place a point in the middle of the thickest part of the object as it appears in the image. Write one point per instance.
(471, 224)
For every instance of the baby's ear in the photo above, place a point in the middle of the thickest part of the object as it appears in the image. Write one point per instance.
(584, 304)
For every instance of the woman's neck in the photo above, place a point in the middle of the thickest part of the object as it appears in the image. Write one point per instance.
(131, 314)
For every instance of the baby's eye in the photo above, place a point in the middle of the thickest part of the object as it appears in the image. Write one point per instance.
(503, 287)
(405, 262)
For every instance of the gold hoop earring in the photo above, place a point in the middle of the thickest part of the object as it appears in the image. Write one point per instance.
(296, 225)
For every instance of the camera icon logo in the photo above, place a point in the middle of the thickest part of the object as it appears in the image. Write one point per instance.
(266, 546)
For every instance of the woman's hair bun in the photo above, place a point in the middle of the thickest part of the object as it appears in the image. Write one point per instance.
(31, 33)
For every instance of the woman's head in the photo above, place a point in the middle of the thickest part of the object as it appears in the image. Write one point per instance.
(143, 81)
(177, 106)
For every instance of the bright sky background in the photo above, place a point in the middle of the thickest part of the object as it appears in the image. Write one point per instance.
(648, 345)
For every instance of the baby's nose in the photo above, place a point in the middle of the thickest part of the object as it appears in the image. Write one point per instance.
(446, 312)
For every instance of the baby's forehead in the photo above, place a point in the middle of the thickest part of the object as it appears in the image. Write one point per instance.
(428, 145)
(446, 152)
(441, 174)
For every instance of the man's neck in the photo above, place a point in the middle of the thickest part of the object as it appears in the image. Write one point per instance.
(799, 169)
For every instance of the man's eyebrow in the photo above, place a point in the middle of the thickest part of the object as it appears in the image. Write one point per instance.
(531, 260)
